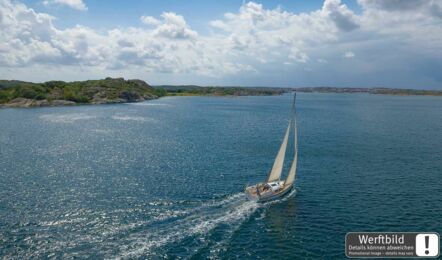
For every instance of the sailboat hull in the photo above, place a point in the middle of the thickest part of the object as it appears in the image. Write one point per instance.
(269, 196)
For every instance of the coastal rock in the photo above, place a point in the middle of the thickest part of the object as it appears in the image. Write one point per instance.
(149, 97)
(19, 102)
(98, 100)
(131, 96)
(25, 102)
(40, 103)
(59, 102)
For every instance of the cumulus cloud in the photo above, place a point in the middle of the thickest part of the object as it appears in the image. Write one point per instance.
(149, 20)
(174, 26)
(339, 13)
(75, 4)
(349, 54)
(252, 45)
(31, 39)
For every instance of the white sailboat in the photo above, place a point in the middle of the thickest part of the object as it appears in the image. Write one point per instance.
(274, 187)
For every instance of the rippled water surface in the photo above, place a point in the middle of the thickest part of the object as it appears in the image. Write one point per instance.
(164, 178)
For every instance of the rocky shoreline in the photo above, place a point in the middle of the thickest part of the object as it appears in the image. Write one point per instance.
(28, 103)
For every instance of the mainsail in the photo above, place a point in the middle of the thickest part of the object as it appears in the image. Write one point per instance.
(275, 173)
(292, 172)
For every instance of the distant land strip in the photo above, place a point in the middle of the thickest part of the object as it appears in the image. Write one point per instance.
(14, 93)
(219, 90)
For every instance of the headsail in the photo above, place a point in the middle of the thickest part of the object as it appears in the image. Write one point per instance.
(275, 173)
(292, 172)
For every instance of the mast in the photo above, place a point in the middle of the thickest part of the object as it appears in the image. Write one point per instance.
(276, 171)
(292, 172)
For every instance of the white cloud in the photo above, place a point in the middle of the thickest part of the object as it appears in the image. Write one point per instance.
(75, 4)
(339, 13)
(30, 39)
(253, 45)
(174, 26)
(298, 56)
(349, 54)
(149, 20)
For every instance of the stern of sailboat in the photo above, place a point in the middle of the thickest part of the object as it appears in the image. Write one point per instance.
(252, 192)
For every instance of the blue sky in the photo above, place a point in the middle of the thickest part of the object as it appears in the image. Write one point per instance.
(364, 43)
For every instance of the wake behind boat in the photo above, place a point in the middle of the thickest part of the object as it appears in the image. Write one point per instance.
(274, 188)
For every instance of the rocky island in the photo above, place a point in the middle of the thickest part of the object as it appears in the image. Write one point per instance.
(59, 93)
(14, 93)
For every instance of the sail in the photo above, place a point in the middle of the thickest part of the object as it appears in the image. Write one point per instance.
(275, 173)
(292, 172)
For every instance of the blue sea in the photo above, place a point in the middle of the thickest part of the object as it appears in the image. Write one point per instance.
(164, 179)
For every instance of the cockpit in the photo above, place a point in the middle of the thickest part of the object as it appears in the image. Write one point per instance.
(274, 186)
